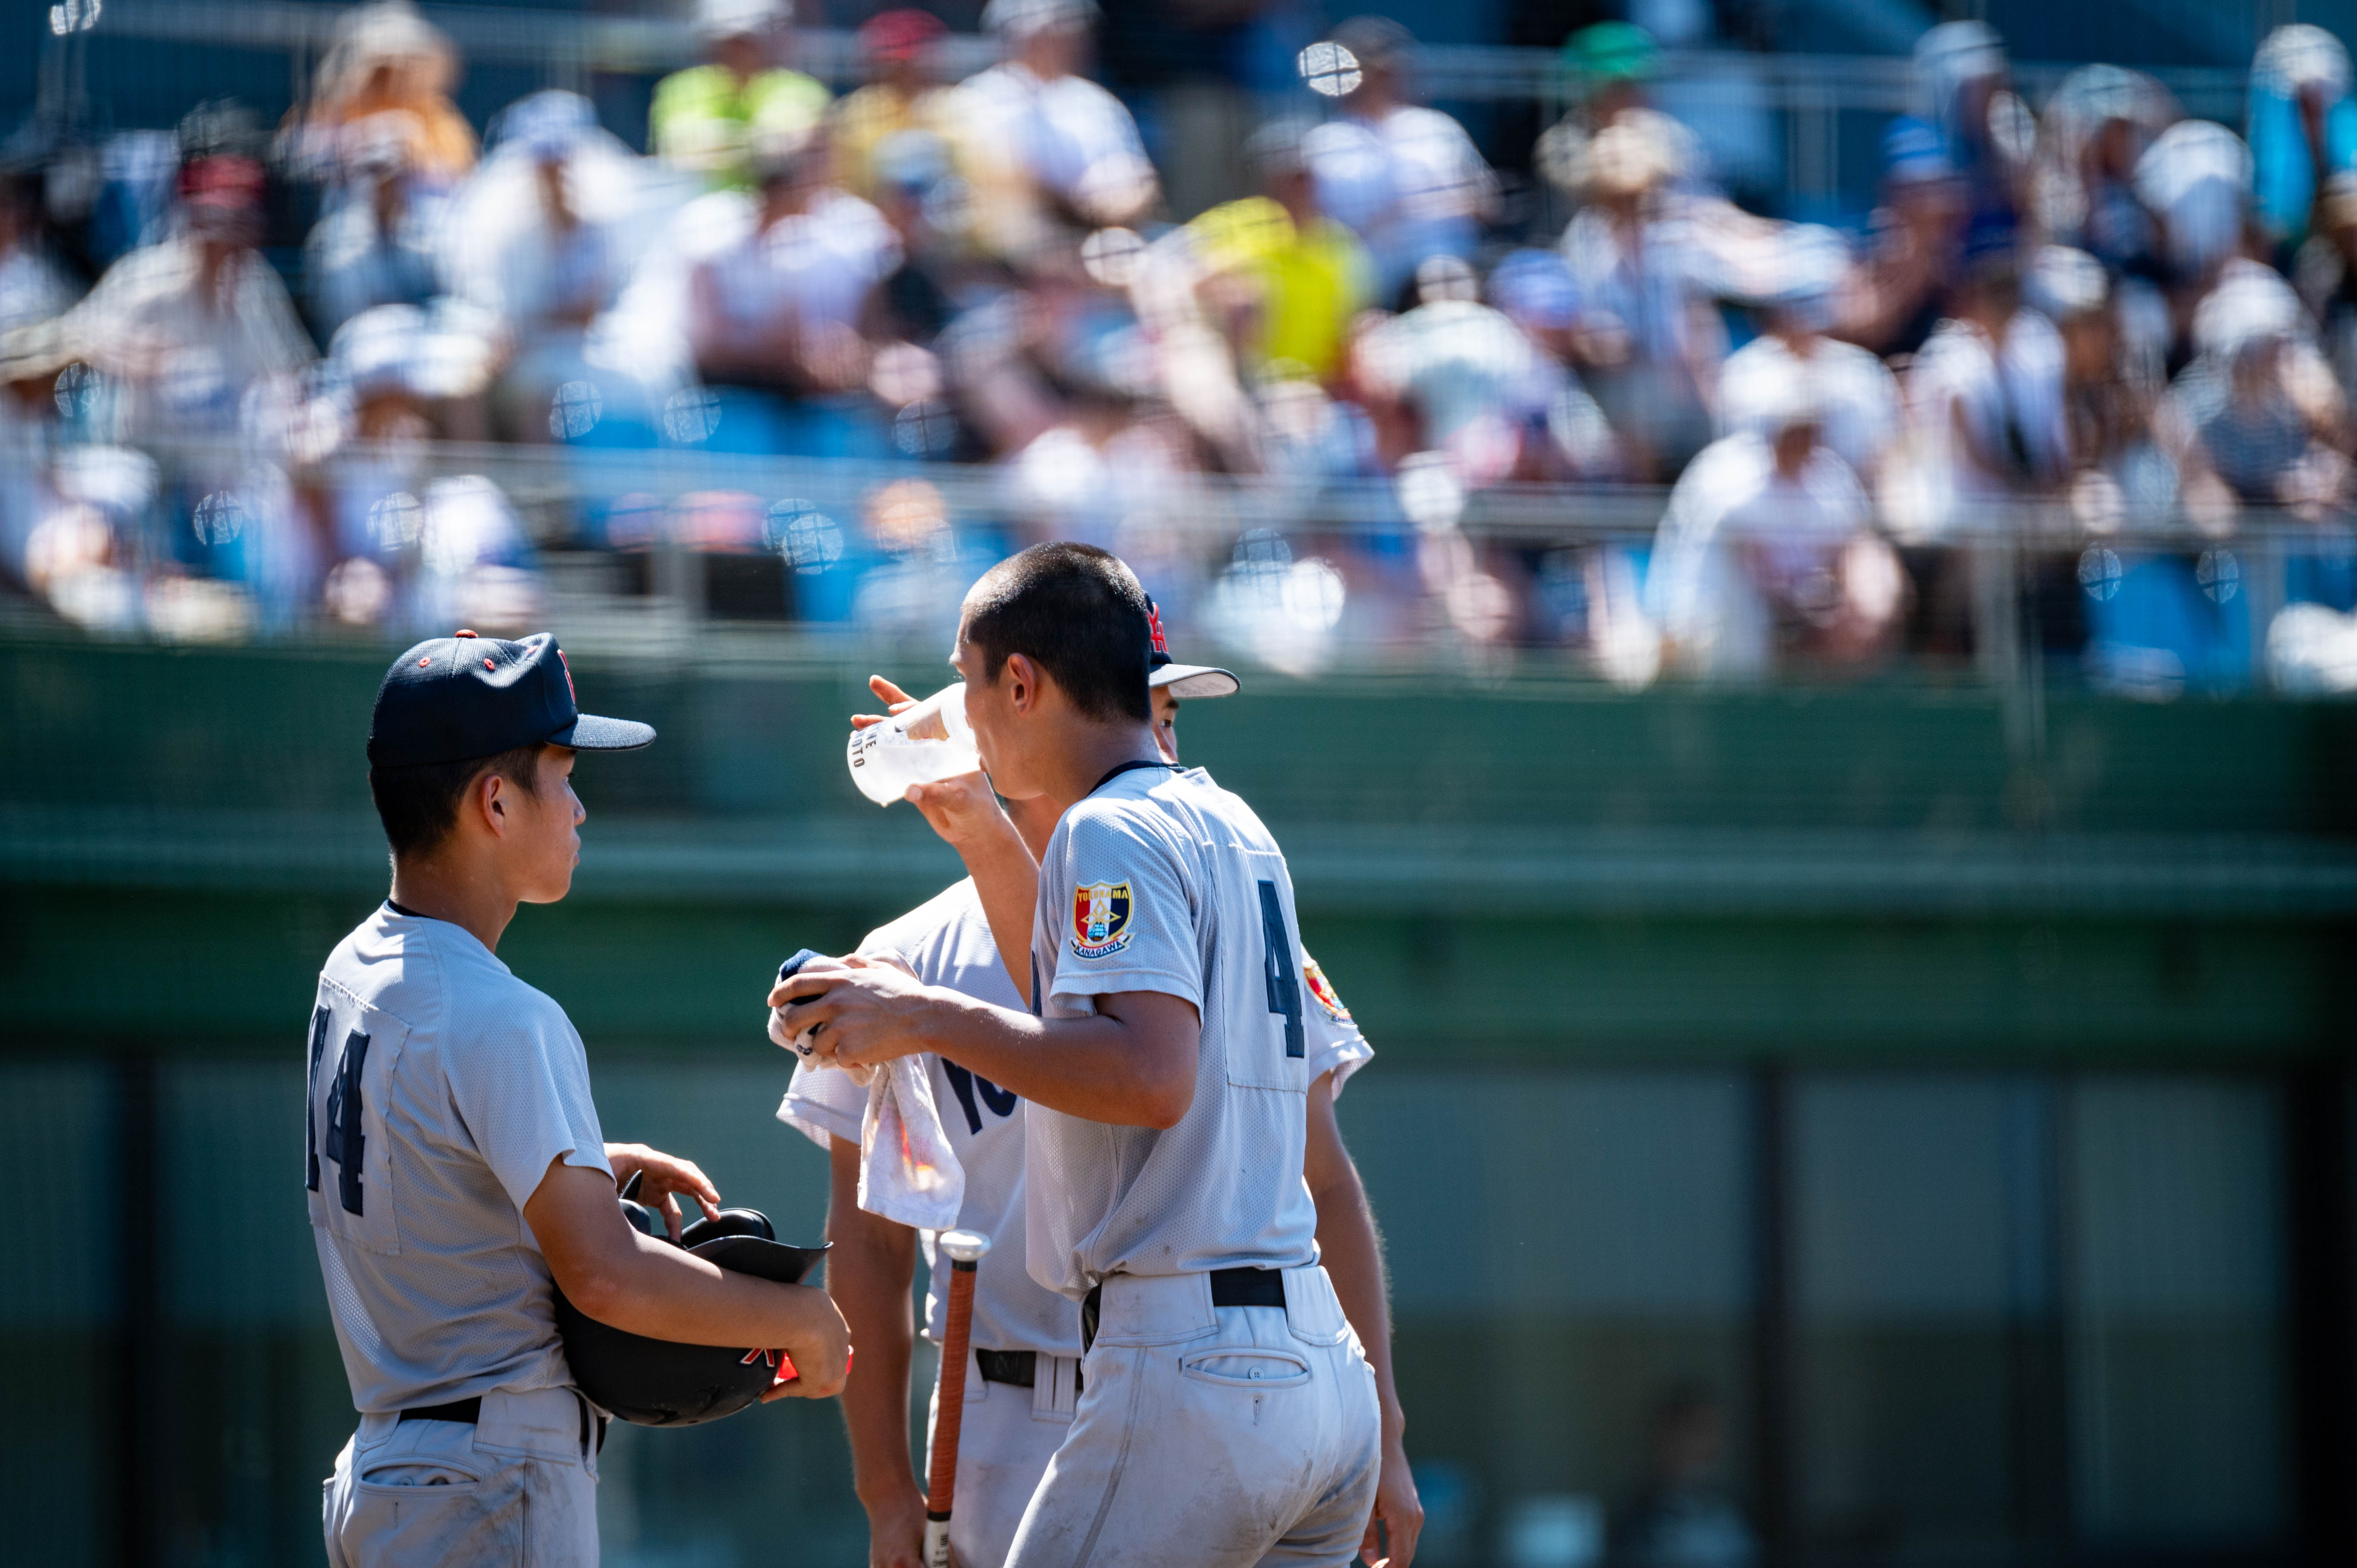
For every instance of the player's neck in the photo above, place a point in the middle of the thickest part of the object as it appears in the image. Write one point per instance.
(446, 887)
(1090, 750)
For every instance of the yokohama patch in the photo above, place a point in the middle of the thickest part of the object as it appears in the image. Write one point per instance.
(1100, 918)
(1323, 989)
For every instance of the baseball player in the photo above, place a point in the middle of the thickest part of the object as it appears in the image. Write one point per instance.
(1025, 1335)
(455, 1165)
(1227, 1412)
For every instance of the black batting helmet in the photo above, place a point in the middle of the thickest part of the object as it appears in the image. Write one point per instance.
(659, 1382)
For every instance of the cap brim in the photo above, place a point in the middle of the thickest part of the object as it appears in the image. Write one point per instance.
(588, 732)
(1188, 682)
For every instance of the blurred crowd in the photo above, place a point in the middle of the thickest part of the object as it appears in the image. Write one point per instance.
(2078, 366)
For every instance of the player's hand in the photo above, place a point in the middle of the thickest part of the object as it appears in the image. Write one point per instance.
(964, 810)
(896, 1531)
(662, 1178)
(873, 1011)
(891, 697)
(780, 1033)
(818, 1364)
(1398, 1509)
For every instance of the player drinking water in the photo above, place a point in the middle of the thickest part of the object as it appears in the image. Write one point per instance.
(455, 1163)
(1228, 1413)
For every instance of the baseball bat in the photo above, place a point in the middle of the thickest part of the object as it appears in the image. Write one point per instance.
(965, 1250)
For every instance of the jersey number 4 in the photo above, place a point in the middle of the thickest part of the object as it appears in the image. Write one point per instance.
(1277, 968)
(345, 1144)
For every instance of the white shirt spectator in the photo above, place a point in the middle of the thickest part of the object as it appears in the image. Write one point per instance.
(2008, 400)
(1853, 391)
(1069, 137)
(187, 363)
(1412, 185)
(1459, 363)
(1737, 536)
(820, 264)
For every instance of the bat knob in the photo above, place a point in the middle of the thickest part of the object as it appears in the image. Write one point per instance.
(963, 1246)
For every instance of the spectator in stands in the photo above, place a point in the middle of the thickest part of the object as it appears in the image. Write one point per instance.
(33, 286)
(1648, 340)
(1406, 178)
(1281, 278)
(900, 95)
(202, 343)
(2094, 128)
(191, 326)
(388, 60)
(706, 118)
(1856, 396)
(1985, 131)
(2196, 180)
(1052, 155)
(377, 244)
(1766, 549)
(2327, 276)
(1985, 394)
(2108, 393)
(537, 244)
(781, 315)
(1905, 289)
(2303, 129)
(2256, 419)
(413, 550)
(1470, 384)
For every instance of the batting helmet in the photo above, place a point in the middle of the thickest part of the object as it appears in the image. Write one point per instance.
(659, 1382)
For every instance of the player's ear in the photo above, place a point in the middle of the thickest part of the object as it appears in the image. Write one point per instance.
(1021, 677)
(489, 798)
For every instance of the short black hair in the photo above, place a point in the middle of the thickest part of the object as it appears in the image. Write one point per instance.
(1077, 613)
(419, 805)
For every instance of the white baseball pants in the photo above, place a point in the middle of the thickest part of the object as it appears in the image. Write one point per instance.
(516, 1488)
(1212, 1438)
(1009, 1433)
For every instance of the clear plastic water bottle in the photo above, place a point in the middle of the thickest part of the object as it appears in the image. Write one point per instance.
(918, 745)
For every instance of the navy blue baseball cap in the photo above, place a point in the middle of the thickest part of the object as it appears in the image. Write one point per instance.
(451, 699)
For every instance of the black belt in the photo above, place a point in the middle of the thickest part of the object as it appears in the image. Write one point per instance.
(1018, 1367)
(470, 1410)
(1230, 1287)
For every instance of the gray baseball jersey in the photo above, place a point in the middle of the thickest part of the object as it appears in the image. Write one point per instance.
(441, 1088)
(946, 941)
(1160, 880)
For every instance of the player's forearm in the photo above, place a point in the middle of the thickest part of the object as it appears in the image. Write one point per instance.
(657, 1290)
(1007, 879)
(1352, 1251)
(1099, 1068)
(869, 1272)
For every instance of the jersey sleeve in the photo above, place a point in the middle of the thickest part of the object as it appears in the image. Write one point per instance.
(522, 1088)
(823, 1103)
(1120, 907)
(1336, 1046)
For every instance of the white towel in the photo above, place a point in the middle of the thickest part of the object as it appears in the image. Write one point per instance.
(908, 1171)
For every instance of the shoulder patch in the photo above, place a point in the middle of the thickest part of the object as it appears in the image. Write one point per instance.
(1323, 989)
(1101, 914)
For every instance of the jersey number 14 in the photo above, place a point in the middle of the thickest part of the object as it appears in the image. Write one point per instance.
(345, 1144)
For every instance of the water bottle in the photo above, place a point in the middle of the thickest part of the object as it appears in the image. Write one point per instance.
(918, 745)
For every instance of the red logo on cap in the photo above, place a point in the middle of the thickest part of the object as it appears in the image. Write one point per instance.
(568, 678)
(1154, 627)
